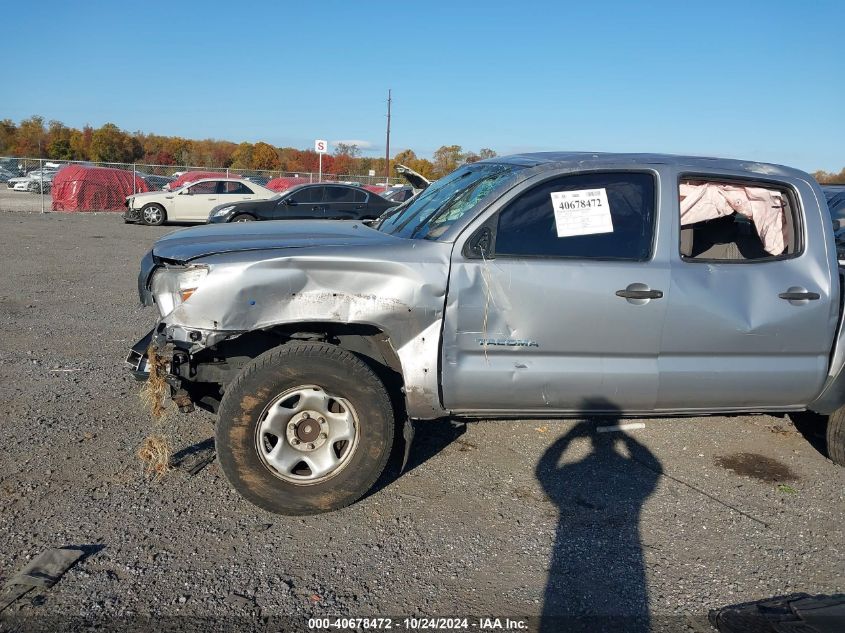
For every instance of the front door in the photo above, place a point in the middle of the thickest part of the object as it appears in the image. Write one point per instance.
(194, 203)
(564, 308)
(304, 203)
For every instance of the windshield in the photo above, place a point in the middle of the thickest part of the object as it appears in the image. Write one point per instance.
(432, 212)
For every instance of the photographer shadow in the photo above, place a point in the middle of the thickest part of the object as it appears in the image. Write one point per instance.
(596, 573)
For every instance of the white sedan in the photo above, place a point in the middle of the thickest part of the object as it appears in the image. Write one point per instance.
(191, 203)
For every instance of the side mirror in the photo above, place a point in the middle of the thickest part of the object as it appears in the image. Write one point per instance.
(186, 192)
(289, 202)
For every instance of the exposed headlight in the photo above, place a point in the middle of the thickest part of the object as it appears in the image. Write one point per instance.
(222, 211)
(174, 285)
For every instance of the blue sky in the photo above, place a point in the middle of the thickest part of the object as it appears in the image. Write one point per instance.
(757, 80)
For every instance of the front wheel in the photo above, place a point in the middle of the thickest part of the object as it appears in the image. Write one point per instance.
(836, 436)
(153, 215)
(305, 428)
(243, 217)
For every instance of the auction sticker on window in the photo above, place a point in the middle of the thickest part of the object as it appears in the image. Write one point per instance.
(582, 212)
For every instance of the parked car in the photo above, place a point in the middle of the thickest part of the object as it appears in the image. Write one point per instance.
(538, 285)
(399, 194)
(33, 180)
(191, 203)
(835, 195)
(320, 201)
(258, 180)
(6, 175)
(154, 181)
(415, 179)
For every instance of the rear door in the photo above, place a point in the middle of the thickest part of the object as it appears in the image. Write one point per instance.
(233, 191)
(339, 202)
(565, 309)
(746, 327)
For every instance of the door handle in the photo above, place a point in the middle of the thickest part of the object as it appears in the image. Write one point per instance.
(640, 294)
(212, 198)
(799, 296)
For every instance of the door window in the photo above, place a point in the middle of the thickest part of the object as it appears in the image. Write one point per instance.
(339, 194)
(308, 195)
(736, 222)
(204, 188)
(607, 215)
(236, 188)
(359, 196)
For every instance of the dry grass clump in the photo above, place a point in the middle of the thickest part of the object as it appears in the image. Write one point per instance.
(155, 451)
(154, 392)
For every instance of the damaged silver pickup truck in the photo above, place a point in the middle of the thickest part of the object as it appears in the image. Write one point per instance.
(537, 285)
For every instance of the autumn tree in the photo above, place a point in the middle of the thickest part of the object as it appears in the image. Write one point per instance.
(264, 156)
(58, 143)
(486, 152)
(405, 157)
(242, 156)
(447, 158)
(8, 132)
(344, 158)
(110, 144)
(80, 143)
(31, 138)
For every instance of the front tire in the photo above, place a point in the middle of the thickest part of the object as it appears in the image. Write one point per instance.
(243, 217)
(836, 436)
(305, 428)
(153, 215)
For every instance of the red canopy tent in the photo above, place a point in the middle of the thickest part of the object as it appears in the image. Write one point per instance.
(193, 176)
(281, 184)
(82, 188)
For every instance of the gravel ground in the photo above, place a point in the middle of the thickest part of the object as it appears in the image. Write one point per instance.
(22, 200)
(493, 518)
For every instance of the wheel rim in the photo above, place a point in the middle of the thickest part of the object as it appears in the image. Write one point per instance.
(306, 435)
(152, 215)
(243, 218)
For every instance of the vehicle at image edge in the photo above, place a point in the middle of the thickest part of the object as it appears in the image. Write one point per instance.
(318, 201)
(537, 285)
(191, 203)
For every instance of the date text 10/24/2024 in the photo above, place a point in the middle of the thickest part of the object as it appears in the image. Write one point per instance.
(418, 624)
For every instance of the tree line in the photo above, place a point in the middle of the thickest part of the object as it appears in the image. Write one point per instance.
(33, 137)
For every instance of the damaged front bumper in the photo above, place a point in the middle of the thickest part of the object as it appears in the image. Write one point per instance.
(138, 359)
(182, 359)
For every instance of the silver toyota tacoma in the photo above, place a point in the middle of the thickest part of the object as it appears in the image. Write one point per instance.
(537, 285)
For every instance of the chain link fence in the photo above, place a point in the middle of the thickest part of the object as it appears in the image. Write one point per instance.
(27, 184)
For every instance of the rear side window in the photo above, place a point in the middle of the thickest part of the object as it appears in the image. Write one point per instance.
(604, 215)
(736, 221)
(309, 195)
(359, 196)
(339, 194)
(236, 188)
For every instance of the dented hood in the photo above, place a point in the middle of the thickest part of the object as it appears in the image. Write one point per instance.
(213, 239)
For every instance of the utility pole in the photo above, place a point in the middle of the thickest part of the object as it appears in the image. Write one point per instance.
(387, 145)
